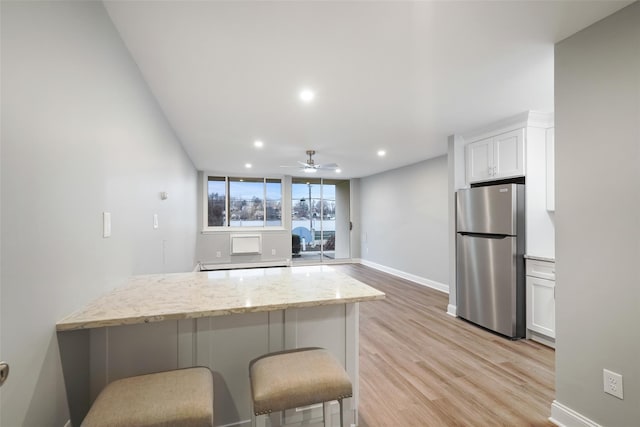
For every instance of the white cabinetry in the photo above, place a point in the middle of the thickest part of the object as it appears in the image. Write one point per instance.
(550, 169)
(541, 301)
(497, 157)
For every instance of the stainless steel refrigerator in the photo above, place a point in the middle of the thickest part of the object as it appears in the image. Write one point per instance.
(490, 244)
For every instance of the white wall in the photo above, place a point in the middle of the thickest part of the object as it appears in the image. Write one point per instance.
(343, 218)
(81, 134)
(597, 217)
(354, 204)
(404, 222)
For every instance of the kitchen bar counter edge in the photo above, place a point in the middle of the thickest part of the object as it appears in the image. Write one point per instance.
(175, 296)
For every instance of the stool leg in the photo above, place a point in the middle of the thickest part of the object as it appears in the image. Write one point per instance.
(341, 413)
(258, 420)
(275, 419)
(326, 414)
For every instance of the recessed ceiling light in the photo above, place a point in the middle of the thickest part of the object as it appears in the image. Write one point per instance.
(381, 153)
(338, 170)
(258, 144)
(247, 165)
(307, 95)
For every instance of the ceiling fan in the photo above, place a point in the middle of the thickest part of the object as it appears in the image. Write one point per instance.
(311, 167)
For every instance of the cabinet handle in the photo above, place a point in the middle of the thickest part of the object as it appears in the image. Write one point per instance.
(4, 372)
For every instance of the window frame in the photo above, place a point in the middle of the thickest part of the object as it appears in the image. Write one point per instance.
(206, 228)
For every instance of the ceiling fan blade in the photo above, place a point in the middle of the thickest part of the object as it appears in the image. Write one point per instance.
(310, 166)
(328, 166)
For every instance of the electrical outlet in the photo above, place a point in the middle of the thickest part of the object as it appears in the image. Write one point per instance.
(273, 251)
(218, 254)
(612, 383)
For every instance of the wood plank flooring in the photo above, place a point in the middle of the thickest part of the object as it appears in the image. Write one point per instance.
(421, 367)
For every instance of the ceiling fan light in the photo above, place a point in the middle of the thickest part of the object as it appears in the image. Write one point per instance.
(309, 170)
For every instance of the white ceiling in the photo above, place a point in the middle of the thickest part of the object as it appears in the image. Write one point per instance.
(394, 75)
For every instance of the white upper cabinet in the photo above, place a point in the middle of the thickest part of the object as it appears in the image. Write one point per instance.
(494, 158)
(509, 154)
(479, 157)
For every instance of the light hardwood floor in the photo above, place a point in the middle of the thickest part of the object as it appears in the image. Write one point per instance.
(421, 367)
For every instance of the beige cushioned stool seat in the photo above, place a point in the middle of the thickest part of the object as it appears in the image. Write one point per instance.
(295, 378)
(178, 398)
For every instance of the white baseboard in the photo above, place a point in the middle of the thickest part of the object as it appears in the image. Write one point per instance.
(549, 342)
(204, 266)
(326, 261)
(408, 276)
(563, 416)
(452, 310)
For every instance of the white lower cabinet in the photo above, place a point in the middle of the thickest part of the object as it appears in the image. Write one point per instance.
(541, 301)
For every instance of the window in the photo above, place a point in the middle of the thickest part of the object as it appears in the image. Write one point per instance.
(250, 202)
(274, 202)
(320, 218)
(216, 194)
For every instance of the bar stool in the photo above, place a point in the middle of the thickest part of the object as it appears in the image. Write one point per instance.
(295, 378)
(178, 398)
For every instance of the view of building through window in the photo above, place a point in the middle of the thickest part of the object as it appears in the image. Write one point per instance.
(313, 216)
(320, 222)
(216, 192)
(251, 202)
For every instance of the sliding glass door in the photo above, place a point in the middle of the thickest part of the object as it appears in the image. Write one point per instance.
(320, 219)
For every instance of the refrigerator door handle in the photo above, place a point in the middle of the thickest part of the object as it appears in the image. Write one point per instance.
(484, 235)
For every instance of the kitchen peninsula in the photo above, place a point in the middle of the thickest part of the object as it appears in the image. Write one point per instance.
(219, 319)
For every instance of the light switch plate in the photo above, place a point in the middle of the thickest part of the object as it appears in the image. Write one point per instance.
(155, 221)
(106, 224)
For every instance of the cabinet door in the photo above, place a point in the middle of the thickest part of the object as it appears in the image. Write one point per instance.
(479, 160)
(541, 306)
(541, 269)
(508, 154)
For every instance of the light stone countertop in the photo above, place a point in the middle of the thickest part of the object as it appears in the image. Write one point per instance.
(158, 297)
